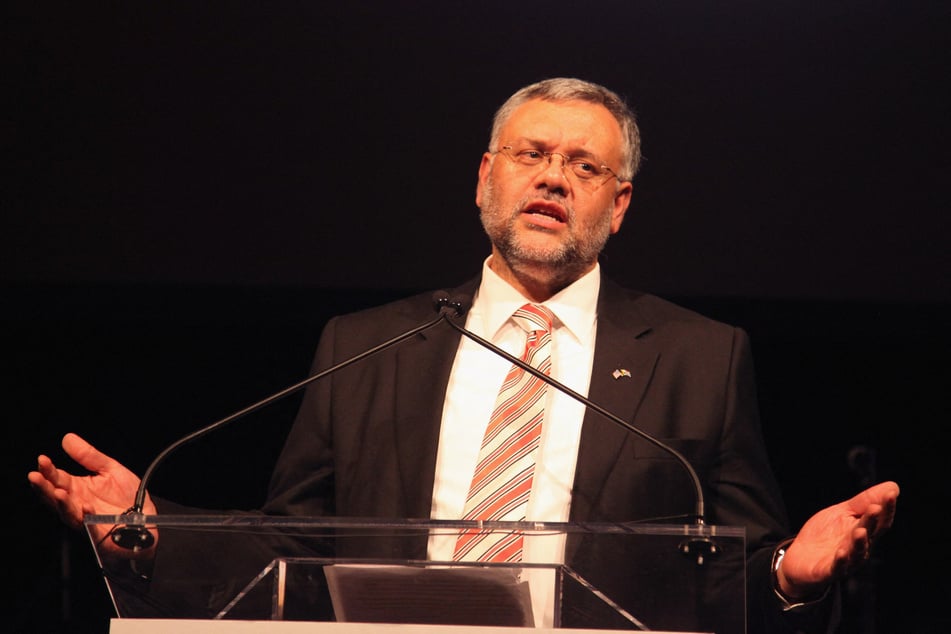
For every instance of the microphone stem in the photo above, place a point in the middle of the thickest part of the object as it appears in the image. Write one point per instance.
(140, 493)
(695, 479)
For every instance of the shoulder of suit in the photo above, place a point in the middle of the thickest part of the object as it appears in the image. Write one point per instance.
(413, 308)
(655, 311)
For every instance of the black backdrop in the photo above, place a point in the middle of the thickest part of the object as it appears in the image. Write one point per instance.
(190, 191)
(792, 151)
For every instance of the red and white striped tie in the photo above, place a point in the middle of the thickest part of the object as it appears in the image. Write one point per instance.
(503, 477)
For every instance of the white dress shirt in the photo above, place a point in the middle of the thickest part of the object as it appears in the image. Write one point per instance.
(474, 382)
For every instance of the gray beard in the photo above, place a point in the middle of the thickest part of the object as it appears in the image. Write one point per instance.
(569, 259)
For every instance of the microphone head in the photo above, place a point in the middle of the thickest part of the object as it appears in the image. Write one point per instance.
(440, 300)
(461, 304)
(450, 306)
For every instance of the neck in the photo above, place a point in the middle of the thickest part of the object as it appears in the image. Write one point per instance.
(537, 282)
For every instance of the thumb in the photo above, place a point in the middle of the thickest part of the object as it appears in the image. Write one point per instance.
(86, 455)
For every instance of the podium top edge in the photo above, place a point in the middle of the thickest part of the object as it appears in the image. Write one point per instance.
(252, 521)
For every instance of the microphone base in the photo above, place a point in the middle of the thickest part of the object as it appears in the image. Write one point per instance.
(699, 548)
(132, 537)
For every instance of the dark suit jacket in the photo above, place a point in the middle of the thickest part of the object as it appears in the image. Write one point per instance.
(364, 442)
(365, 439)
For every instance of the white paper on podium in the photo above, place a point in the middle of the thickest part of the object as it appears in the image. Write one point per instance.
(429, 595)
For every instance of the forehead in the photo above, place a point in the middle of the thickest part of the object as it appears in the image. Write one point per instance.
(565, 125)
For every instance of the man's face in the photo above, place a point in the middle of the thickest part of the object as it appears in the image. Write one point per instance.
(543, 219)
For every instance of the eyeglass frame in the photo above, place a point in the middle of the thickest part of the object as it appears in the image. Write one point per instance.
(566, 160)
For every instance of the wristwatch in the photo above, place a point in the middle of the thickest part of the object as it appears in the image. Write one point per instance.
(788, 603)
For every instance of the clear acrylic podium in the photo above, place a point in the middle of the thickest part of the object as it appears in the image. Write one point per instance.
(245, 567)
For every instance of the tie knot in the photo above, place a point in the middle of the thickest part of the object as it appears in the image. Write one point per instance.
(533, 317)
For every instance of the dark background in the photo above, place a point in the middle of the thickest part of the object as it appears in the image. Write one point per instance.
(189, 192)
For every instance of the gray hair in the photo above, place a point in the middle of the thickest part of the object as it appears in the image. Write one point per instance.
(566, 89)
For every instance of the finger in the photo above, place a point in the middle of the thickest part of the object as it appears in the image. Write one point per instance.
(56, 498)
(57, 485)
(886, 516)
(860, 548)
(85, 454)
(69, 511)
(44, 466)
(852, 553)
(842, 561)
(43, 487)
(878, 518)
(870, 519)
(57, 478)
(884, 494)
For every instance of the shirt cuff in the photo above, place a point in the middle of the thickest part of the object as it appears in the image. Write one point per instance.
(788, 603)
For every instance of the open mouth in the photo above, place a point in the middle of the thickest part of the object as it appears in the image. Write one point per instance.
(548, 210)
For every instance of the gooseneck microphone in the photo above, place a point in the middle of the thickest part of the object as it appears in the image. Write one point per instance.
(133, 535)
(699, 547)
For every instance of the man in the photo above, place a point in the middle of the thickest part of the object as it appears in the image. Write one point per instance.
(399, 436)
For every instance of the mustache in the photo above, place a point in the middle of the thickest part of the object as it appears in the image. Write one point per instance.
(547, 196)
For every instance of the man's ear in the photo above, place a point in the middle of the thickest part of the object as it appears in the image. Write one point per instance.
(622, 198)
(484, 168)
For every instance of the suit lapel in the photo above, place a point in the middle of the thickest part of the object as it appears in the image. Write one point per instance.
(422, 369)
(423, 366)
(620, 375)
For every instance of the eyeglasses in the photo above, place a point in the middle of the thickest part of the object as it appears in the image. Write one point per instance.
(589, 172)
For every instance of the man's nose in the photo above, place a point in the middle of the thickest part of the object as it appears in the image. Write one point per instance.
(554, 173)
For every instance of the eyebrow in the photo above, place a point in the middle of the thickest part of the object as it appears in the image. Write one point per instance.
(578, 153)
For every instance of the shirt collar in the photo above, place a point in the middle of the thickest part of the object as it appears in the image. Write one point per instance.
(575, 307)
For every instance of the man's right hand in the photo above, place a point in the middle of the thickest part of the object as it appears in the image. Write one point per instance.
(109, 489)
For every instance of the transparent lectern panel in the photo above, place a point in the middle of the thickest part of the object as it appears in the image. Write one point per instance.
(421, 592)
(677, 578)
